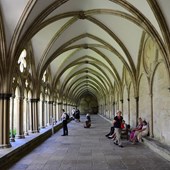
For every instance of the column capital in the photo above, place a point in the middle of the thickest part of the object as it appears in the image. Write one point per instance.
(34, 100)
(20, 97)
(5, 95)
(13, 96)
(121, 100)
(151, 94)
(137, 98)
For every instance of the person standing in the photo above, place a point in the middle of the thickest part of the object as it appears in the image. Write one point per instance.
(77, 115)
(143, 132)
(73, 113)
(117, 125)
(88, 121)
(64, 123)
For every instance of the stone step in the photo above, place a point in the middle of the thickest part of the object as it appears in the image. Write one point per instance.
(161, 149)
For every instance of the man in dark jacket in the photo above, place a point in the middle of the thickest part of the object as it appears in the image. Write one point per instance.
(64, 123)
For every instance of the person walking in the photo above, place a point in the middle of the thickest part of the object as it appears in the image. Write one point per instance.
(64, 123)
(117, 125)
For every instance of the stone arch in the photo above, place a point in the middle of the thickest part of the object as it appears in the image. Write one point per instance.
(144, 98)
(132, 115)
(161, 113)
(125, 103)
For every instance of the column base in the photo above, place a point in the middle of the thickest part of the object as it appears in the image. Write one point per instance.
(12, 139)
(20, 137)
(26, 134)
(5, 146)
(35, 131)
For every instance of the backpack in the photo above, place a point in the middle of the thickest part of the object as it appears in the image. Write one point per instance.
(67, 116)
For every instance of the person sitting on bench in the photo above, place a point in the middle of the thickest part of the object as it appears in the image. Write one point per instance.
(143, 132)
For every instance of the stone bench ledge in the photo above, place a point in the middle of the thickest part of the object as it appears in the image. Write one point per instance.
(158, 147)
(21, 147)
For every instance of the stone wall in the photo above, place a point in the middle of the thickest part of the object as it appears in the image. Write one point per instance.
(161, 109)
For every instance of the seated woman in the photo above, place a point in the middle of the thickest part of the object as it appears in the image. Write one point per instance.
(143, 132)
(134, 132)
(112, 129)
(88, 121)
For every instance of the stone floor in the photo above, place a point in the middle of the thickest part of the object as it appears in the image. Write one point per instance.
(89, 149)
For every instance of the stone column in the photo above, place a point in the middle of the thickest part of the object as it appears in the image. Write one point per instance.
(121, 101)
(137, 109)
(151, 122)
(34, 115)
(20, 123)
(50, 111)
(101, 110)
(105, 113)
(57, 113)
(27, 118)
(69, 108)
(4, 120)
(113, 109)
(54, 112)
(110, 110)
(12, 139)
(45, 113)
(42, 115)
(65, 107)
(59, 110)
(117, 105)
(116, 108)
(128, 110)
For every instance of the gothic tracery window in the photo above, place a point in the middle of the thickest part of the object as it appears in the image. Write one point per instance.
(44, 76)
(22, 60)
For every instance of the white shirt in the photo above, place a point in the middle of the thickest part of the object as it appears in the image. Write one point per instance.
(146, 129)
(63, 117)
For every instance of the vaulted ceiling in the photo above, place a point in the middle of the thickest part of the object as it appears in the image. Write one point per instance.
(86, 44)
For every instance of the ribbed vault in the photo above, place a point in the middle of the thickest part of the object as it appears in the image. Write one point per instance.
(85, 45)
